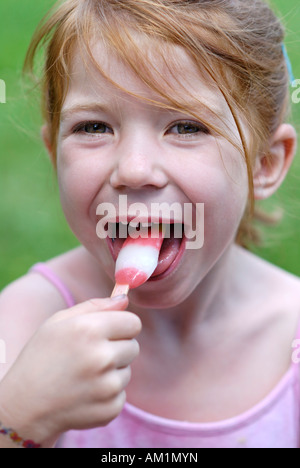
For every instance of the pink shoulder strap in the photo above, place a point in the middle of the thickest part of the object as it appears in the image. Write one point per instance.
(47, 273)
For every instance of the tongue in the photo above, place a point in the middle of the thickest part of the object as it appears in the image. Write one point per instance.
(168, 253)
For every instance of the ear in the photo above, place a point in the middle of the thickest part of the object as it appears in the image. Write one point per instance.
(45, 134)
(271, 168)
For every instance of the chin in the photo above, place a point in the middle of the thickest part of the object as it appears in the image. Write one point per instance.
(162, 297)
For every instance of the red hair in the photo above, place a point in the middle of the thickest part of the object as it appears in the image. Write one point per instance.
(238, 43)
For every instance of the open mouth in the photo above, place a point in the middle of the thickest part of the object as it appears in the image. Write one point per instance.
(171, 250)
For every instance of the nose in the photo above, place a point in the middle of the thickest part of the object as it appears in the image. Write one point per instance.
(138, 164)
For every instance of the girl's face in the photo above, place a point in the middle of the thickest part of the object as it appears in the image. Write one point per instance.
(111, 143)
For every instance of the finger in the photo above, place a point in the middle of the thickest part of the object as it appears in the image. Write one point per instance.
(111, 384)
(120, 325)
(92, 305)
(111, 303)
(115, 355)
(124, 352)
(100, 413)
(110, 409)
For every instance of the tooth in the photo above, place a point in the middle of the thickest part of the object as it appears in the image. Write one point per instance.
(112, 230)
(123, 230)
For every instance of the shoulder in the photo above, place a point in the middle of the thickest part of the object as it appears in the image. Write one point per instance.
(82, 274)
(30, 300)
(31, 291)
(269, 317)
(273, 280)
(273, 299)
(272, 296)
(25, 305)
(77, 270)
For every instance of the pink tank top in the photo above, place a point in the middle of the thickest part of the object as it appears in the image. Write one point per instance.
(272, 423)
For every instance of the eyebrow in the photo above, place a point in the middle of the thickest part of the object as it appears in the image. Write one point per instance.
(213, 111)
(70, 111)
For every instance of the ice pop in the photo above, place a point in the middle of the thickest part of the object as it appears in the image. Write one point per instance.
(137, 260)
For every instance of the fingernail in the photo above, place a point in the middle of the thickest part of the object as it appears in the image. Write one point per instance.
(119, 298)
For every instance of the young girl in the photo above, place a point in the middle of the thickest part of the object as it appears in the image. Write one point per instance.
(166, 101)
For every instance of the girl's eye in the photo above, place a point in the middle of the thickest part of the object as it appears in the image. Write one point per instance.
(188, 128)
(92, 128)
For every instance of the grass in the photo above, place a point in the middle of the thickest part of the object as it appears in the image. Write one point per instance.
(32, 226)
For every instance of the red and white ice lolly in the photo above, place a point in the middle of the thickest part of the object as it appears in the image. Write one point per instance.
(137, 260)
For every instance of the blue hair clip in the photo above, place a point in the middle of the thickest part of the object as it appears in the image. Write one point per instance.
(288, 63)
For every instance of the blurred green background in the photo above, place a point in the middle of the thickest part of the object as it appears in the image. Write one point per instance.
(32, 226)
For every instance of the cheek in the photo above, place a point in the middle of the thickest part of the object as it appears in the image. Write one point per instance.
(223, 189)
(80, 175)
(224, 214)
(80, 180)
(216, 186)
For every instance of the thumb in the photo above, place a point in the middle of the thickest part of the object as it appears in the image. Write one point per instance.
(111, 303)
(92, 306)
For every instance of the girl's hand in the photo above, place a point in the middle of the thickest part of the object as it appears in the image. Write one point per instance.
(73, 372)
